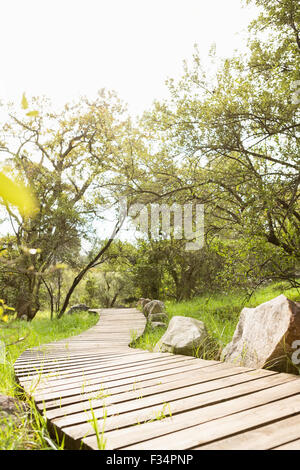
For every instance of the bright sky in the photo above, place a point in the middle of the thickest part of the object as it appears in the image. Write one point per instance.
(66, 48)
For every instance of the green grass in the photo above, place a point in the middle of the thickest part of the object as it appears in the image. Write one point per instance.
(219, 312)
(28, 429)
(148, 339)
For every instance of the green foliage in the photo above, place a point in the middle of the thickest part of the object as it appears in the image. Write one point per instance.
(148, 339)
(65, 158)
(101, 439)
(230, 140)
(219, 312)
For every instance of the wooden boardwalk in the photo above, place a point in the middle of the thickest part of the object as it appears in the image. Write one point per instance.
(144, 400)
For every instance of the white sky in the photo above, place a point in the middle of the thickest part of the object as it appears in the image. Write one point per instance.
(66, 48)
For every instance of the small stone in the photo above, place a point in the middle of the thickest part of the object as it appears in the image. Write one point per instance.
(157, 324)
(77, 308)
(161, 317)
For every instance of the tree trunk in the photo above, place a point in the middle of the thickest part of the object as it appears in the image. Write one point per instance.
(28, 300)
(51, 297)
(90, 265)
(112, 303)
(58, 291)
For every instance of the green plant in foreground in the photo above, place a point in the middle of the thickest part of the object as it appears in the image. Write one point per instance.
(161, 414)
(101, 394)
(133, 336)
(101, 440)
(27, 429)
(39, 423)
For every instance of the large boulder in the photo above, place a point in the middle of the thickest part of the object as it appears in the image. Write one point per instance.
(77, 308)
(155, 306)
(264, 335)
(161, 317)
(185, 335)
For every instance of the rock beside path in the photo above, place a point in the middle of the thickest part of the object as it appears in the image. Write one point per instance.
(265, 335)
(185, 335)
(142, 303)
(11, 406)
(154, 306)
(77, 308)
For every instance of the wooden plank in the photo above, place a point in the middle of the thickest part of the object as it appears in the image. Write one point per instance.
(104, 378)
(183, 382)
(47, 360)
(262, 438)
(293, 445)
(35, 359)
(42, 385)
(178, 367)
(57, 384)
(70, 369)
(209, 401)
(212, 404)
(69, 366)
(123, 386)
(218, 428)
(147, 431)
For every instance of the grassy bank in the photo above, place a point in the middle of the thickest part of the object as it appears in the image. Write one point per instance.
(28, 429)
(219, 312)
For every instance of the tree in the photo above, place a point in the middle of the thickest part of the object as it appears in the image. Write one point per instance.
(68, 159)
(95, 261)
(231, 142)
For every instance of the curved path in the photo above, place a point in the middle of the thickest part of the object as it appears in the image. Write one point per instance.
(143, 400)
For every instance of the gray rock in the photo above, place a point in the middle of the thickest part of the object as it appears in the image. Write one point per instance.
(76, 308)
(161, 317)
(155, 306)
(10, 405)
(264, 335)
(145, 302)
(185, 335)
(157, 324)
